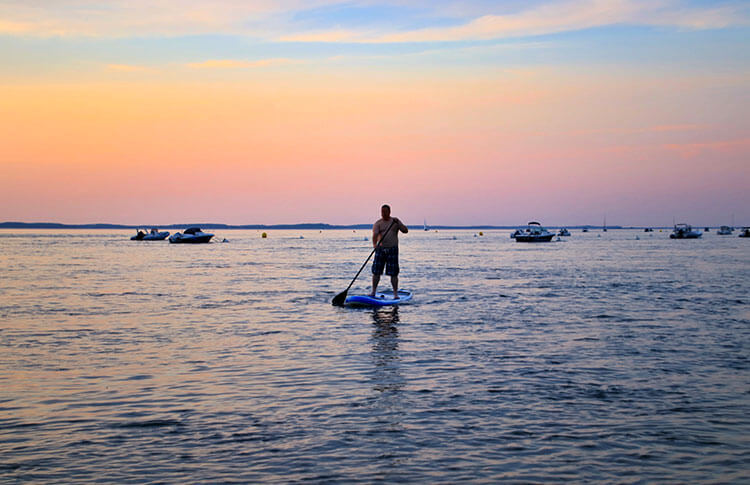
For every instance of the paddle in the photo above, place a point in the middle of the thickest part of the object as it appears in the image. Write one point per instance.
(339, 299)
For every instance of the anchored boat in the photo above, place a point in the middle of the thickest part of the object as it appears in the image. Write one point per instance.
(192, 235)
(684, 231)
(153, 235)
(535, 233)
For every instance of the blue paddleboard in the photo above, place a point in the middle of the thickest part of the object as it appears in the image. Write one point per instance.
(380, 299)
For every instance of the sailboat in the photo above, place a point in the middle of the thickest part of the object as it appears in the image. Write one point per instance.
(424, 225)
(604, 227)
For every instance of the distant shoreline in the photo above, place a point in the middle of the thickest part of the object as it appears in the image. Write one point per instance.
(309, 226)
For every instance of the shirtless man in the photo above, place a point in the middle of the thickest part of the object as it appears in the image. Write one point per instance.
(386, 256)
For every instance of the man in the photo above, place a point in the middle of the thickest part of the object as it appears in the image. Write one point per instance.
(386, 255)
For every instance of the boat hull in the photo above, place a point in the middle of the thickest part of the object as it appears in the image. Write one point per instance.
(533, 239)
(156, 237)
(191, 239)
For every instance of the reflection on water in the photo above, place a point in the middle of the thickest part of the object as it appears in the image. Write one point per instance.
(387, 376)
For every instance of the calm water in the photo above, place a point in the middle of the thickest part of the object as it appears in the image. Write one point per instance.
(601, 358)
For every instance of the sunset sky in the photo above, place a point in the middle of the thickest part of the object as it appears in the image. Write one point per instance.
(286, 111)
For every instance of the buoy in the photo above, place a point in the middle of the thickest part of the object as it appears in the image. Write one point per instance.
(302, 237)
(264, 235)
(481, 233)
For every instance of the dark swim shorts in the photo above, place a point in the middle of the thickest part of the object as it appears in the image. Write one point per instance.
(388, 258)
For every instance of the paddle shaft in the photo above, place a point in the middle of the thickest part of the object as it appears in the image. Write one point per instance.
(370, 256)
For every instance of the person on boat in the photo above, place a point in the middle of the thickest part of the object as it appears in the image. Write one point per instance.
(386, 255)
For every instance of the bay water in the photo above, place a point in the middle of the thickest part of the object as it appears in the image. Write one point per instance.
(617, 357)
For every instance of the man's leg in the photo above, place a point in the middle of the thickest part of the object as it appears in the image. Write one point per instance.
(375, 281)
(394, 282)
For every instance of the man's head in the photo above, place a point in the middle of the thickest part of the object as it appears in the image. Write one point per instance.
(385, 211)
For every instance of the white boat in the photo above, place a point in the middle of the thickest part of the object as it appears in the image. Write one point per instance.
(724, 231)
(153, 235)
(424, 226)
(535, 233)
(563, 232)
(684, 231)
(191, 235)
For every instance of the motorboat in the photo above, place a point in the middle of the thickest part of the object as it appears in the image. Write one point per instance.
(725, 231)
(191, 235)
(152, 235)
(648, 229)
(563, 232)
(585, 229)
(706, 229)
(745, 232)
(684, 231)
(535, 233)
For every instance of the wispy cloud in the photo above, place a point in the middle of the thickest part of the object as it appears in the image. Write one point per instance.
(278, 19)
(692, 150)
(236, 63)
(551, 18)
(122, 18)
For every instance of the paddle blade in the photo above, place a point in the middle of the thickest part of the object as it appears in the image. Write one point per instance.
(339, 299)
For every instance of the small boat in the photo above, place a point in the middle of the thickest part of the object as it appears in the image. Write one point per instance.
(745, 232)
(725, 231)
(706, 229)
(153, 235)
(585, 229)
(192, 235)
(424, 226)
(535, 233)
(563, 232)
(684, 231)
(648, 229)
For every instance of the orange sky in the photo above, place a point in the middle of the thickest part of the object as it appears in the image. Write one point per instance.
(285, 141)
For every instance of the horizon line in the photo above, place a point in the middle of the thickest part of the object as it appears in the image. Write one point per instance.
(302, 225)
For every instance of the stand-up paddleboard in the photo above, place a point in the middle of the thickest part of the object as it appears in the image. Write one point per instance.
(380, 299)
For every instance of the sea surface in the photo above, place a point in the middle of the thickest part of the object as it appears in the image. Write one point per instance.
(617, 357)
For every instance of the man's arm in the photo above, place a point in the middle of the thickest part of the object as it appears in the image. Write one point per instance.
(375, 235)
(401, 226)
